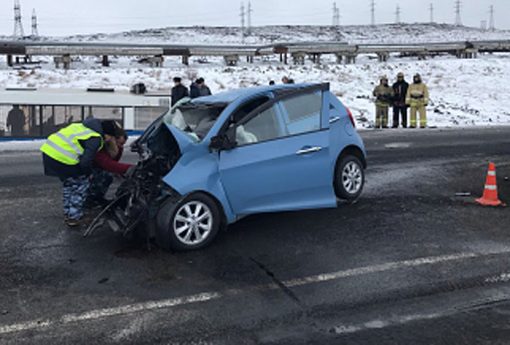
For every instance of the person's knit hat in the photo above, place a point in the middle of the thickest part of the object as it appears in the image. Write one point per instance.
(111, 127)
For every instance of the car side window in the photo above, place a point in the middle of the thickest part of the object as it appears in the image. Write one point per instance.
(303, 113)
(262, 127)
(248, 107)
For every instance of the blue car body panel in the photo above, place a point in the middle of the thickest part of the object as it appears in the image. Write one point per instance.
(266, 176)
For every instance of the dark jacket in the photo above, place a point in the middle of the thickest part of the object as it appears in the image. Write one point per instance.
(205, 91)
(179, 92)
(400, 89)
(194, 90)
(90, 147)
(16, 120)
(199, 90)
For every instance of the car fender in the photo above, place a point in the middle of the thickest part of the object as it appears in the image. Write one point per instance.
(197, 171)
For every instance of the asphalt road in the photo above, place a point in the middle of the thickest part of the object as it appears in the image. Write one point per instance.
(410, 263)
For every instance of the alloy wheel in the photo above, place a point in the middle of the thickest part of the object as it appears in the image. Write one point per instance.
(193, 222)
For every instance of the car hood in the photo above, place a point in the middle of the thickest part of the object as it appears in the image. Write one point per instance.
(184, 142)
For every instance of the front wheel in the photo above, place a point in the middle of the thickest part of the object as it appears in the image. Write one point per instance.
(191, 223)
(349, 178)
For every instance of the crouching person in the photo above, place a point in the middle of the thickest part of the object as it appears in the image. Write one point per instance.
(107, 164)
(69, 154)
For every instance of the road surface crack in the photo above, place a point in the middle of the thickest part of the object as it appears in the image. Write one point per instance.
(286, 290)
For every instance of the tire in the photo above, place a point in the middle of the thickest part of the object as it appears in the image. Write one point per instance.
(183, 216)
(349, 178)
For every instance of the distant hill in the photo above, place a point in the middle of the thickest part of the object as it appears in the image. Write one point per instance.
(385, 33)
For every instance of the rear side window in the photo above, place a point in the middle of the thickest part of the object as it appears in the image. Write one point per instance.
(303, 113)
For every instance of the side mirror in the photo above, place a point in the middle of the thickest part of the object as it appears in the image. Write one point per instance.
(221, 142)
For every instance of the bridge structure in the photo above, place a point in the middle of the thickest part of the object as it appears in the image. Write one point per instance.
(22, 51)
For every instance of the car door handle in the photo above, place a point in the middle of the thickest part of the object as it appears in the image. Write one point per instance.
(304, 151)
(334, 119)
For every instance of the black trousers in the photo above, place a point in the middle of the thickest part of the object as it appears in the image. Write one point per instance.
(397, 112)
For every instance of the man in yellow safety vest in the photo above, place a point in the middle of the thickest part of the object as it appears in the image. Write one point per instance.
(69, 154)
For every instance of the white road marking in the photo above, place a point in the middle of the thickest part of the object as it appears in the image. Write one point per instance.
(502, 278)
(378, 324)
(134, 327)
(397, 145)
(208, 296)
(101, 313)
(385, 267)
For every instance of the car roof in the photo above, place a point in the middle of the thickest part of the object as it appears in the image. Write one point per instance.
(228, 97)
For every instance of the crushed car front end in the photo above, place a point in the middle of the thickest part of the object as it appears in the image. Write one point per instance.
(141, 195)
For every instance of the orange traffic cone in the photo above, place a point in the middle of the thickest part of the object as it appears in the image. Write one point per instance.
(490, 193)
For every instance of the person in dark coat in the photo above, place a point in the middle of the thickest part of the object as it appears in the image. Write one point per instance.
(179, 91)
(399, 101)
(204, 89)
(194, 89)
(16, 121)
(199, 89)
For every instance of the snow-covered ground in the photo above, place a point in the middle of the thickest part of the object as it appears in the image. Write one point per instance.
(463, 92)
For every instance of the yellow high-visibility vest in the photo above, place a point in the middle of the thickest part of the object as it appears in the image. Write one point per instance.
(64, 146)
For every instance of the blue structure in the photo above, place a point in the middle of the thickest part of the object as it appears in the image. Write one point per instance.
(266, 149)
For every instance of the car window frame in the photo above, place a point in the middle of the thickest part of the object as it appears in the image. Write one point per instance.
(285, 113)
(225, 126)
(278, 97)
(263, 108)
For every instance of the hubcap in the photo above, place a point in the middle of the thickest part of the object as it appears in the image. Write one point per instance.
(193, 223)
(352, 177)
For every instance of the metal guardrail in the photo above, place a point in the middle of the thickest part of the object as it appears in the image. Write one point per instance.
(78, 50)
(27, 47)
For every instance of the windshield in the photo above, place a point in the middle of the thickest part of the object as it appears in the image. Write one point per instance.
(196, 120)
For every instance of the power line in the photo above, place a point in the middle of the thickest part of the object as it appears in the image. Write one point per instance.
(243, 13)
(336, 15)
(35, 30)
(431, 9)
(372, 11)
(18, 25)
(397, 14)
(250, 10)
(492, 27)
(458, 6)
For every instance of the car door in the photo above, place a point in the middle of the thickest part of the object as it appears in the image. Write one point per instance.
(281, 161)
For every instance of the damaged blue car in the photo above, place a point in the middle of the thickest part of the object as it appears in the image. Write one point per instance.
(212, 160)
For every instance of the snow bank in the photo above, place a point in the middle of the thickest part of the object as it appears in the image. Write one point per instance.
(19, 146)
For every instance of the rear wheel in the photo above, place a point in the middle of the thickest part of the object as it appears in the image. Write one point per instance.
(191, 223)
(349, 178)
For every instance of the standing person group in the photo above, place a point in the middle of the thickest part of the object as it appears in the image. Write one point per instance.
(401, 96)
(197, 89)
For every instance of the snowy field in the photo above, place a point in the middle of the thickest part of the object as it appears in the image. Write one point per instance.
(463, 92)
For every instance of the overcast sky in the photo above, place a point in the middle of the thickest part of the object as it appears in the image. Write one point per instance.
(59, 17)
